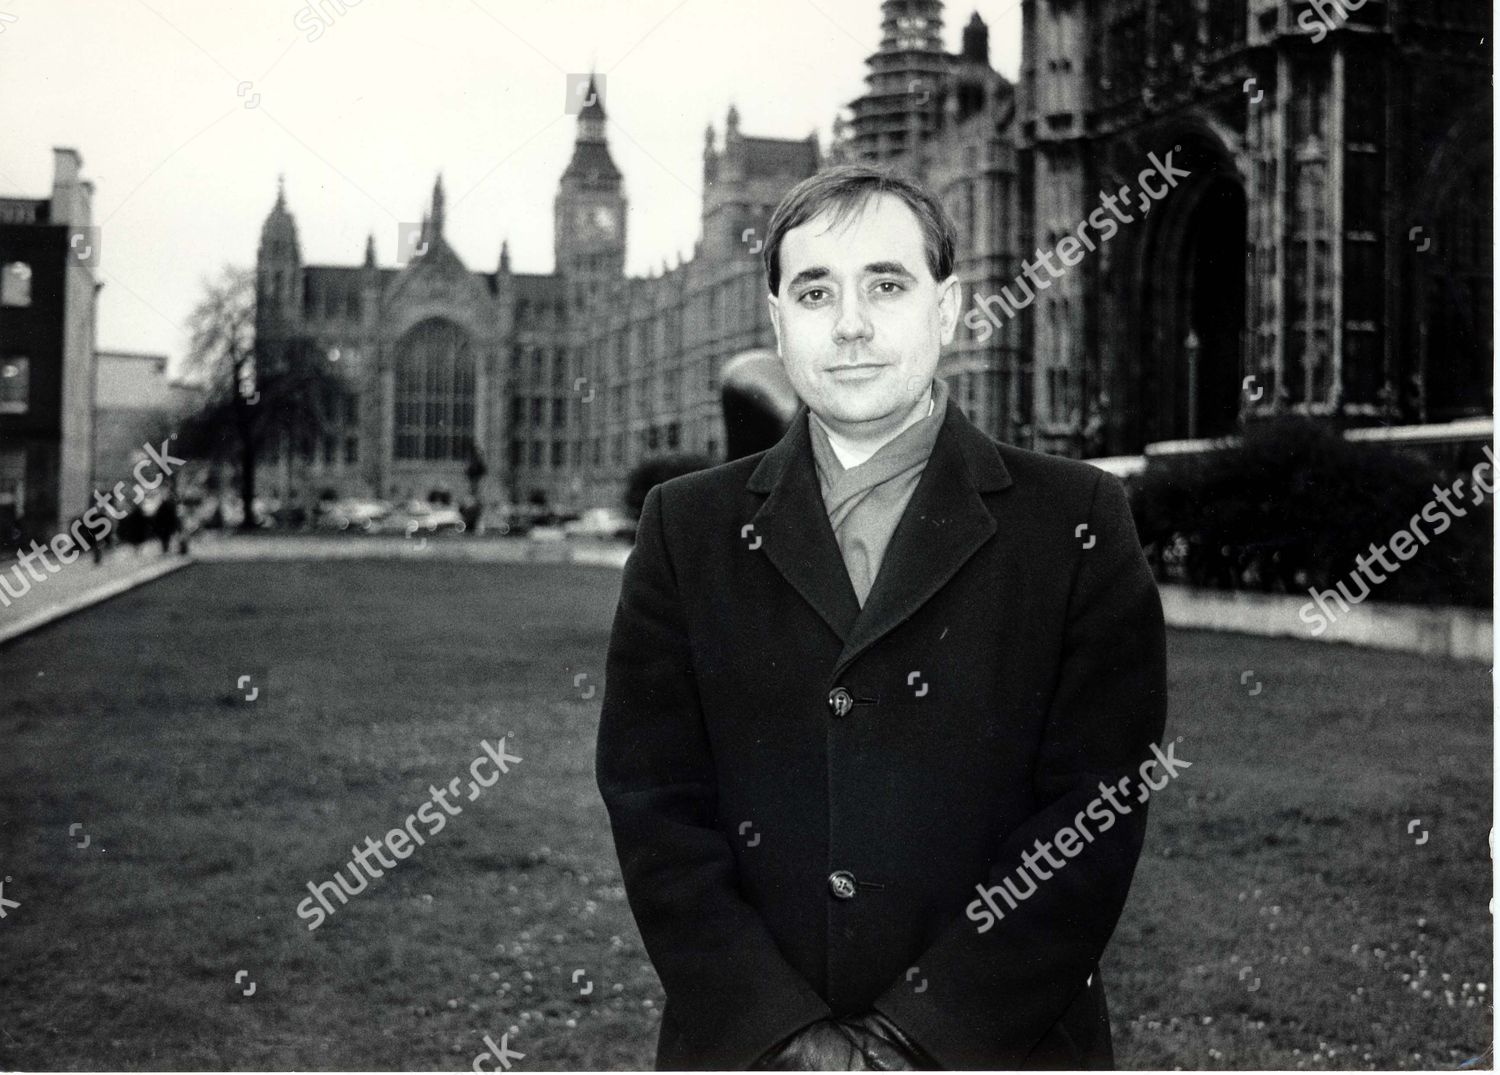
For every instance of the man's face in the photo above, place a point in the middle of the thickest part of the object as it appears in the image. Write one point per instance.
(859, 320)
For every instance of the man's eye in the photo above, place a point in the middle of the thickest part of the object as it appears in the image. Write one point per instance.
(813, 294)
(890, 287)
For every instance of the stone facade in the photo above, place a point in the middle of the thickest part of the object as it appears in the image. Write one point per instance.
(1328, 253)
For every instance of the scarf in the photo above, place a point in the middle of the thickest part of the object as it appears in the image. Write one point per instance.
(866, 502)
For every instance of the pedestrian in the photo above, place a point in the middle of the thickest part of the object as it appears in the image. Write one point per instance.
(135, 528)
(165, 523)
(856, 677)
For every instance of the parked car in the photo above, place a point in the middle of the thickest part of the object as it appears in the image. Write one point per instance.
(601, 523)
(357, 515)
(416, 517)
(232, 512)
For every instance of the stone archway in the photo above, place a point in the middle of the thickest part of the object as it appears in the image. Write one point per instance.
(1192, 308)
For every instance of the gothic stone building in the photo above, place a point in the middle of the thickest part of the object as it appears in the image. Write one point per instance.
(559, 382)
(1327, 253)
(1332, 240)
(563, 382)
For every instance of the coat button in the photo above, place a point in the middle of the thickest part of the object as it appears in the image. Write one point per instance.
(840, 701)
(841, 884)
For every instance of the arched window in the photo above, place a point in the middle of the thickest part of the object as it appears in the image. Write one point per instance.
(434, 404)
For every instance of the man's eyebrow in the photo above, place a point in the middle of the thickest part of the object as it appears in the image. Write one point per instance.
(874, 268)
(817, 272)
(888, 268)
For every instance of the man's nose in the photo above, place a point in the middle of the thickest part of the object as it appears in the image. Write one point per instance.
(853, 321)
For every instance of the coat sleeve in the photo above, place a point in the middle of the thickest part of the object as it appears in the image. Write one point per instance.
(992, 995)
(730, 991)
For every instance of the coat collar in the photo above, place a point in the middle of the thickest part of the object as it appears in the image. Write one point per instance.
(944, 524)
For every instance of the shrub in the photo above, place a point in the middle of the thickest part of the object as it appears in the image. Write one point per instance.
(1293, 503)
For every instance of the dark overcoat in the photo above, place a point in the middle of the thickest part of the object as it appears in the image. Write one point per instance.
(805, 794)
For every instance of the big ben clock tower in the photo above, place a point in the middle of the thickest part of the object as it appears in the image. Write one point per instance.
(589, 212)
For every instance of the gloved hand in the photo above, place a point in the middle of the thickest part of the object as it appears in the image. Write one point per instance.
(822, 1046)
(868, 1042)
(884, 1045)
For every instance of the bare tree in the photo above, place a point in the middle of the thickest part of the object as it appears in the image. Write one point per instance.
(257, 390)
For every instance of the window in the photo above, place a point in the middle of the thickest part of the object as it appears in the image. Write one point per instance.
(15, 385)
(12, 482)
(434, 401)
(15, 284)
(559, 413)
(557, 453)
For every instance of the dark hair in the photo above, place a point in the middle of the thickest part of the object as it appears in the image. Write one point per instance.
(846, 188)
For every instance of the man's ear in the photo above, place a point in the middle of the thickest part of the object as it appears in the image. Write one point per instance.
(775, 308)
(950, 300)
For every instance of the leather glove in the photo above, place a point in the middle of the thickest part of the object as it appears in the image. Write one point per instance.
(885, 1045)
(822, 1046)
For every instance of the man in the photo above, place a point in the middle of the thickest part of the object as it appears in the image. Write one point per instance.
(858, 677)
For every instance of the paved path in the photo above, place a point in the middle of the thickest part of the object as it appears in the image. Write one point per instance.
(75, 586)
(394, 547)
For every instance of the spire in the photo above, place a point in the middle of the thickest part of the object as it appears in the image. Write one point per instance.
(438, 207)
(732, 123)
(591, 163)
(278, 234)
(370, 251)
(505, 255)
(976, 40)
(593, 100)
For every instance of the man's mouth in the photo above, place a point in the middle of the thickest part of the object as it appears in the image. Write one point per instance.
(863, 371)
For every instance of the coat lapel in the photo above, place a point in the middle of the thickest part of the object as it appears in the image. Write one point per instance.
(794, 529)
(944, 524)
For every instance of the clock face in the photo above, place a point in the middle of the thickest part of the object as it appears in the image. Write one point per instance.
(604, 219)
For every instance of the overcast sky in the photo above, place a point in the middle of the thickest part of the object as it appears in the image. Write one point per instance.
(360, 111)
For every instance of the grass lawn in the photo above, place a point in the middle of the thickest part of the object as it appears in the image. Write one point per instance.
(1283, 915)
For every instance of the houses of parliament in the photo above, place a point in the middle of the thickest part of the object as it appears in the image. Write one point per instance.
(1327, 254)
